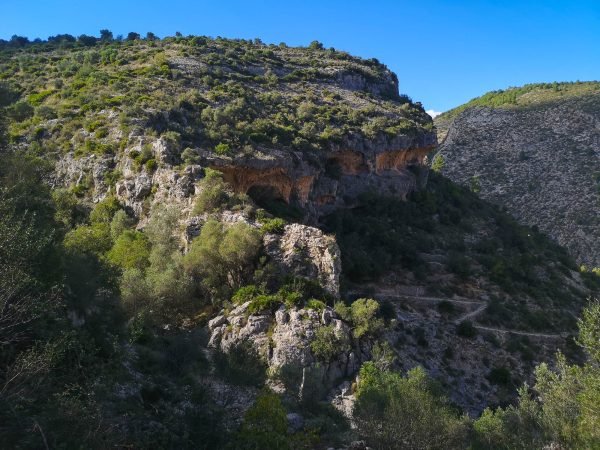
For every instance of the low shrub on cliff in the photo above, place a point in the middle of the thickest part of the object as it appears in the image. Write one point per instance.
(213, 193)
(327, 343)
(275, 226)
(363, 315)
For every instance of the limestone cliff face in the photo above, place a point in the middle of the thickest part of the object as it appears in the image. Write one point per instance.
(541, 161)
(307, 252)
(283, 340)
(316, 183)
(322, 182)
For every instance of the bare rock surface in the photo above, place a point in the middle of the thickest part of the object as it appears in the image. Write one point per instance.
(542, 162)
(308, 252)
(283, 340)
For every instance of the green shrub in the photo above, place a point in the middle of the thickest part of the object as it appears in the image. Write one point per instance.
(222, 149)
(384, 401)
(151, 165)
(316, 304)
(223, 257)
(131, 250)
(20, 111)
(190, 156)
(275, 226)
(263, 302)
(264, 426)
(327, 343)
(246, 294)
(104, 211)
(136, 293)
(362, 314)
(66, 206)
(213, 193)
(93, 239)
(45, 113)
(120, 222)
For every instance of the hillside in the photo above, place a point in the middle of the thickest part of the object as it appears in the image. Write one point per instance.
(204, 242)
(285, 114)
(534, 150)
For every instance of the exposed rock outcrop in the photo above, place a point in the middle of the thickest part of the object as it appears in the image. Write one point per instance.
(307, 252)
(283, 339)
(541, 161)
(333, 179)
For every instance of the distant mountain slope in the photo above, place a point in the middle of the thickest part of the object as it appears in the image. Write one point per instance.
(535, 150)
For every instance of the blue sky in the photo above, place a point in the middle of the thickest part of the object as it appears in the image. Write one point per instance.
(444, 52)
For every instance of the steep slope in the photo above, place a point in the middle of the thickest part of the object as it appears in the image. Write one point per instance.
(535, 150)
(472, 291)
(304, 126)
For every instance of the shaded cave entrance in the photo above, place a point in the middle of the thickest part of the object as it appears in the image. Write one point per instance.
(271, 200)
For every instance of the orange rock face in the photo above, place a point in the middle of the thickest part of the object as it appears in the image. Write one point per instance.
(350, 162)
(399, 159)
(313, 185)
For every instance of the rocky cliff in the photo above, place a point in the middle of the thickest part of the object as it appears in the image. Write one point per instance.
(309, 127)
(535, 150)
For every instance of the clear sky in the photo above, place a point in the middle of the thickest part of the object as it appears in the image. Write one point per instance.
(444, 52)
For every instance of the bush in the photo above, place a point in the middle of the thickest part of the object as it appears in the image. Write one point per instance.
(163, 288)
(131, 250)
(362, 314)
(66, 206)
(104, 211)
(213, 193)
(120, 222)
(246, 294)
(316, 304)
(136, 294)
(92, 239)
(275, 226)
(327, 343)
(263, 302)
(222, 149)
(190, 156)
(265, 425)
(20, 111)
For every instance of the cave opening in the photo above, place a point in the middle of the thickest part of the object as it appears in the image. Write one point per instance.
(271, 200)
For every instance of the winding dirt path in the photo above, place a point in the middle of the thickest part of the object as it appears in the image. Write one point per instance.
(521, 333)
(481, 306)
